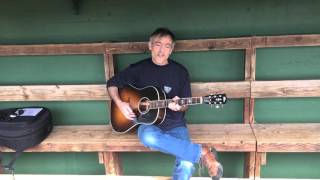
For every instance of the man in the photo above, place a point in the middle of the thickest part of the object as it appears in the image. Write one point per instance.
(171, 136)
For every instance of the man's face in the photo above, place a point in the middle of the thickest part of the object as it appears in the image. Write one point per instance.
(161, 48)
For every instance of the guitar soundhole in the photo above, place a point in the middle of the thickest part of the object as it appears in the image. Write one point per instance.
(144, 105)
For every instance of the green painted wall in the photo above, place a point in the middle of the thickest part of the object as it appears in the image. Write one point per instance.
(56, 21)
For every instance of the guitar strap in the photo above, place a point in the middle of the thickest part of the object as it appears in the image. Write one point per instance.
(9, 167)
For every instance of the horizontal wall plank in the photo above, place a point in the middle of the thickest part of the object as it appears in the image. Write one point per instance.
(53, 93)
(122, 47)
(286, 41)
(295, 137)
(99, 91)
(51, 49)
(291, 88)
(182, 45)
(240, 89)
(236, 89)
(101, 138)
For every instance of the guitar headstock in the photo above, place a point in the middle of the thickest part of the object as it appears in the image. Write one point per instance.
(215, 99)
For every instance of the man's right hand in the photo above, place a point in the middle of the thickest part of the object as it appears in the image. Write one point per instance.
(123, 106)
(126, 110)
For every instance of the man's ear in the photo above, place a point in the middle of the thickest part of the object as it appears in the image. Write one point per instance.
(172, 47)
(150, 45)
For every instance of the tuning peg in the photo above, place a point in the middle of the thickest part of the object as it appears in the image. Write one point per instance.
(214, 105)
(218, 105)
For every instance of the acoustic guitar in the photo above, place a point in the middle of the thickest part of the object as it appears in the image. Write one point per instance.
(149, 105)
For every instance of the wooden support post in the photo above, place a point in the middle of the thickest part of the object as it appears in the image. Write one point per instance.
(263, 158)
(109, 72)
(250, 75)
(108, 66)
(248, 111)
(100, 156)
(260, 160)
(249, 167)
(112, 163)
(111, 160)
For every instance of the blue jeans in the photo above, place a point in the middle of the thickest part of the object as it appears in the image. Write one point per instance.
(175, 142)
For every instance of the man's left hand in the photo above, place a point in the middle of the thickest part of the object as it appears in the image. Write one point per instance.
(174, 106)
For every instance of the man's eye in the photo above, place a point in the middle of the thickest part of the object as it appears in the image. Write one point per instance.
(168, 46)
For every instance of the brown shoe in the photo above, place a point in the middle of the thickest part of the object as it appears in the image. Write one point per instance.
(209, 159)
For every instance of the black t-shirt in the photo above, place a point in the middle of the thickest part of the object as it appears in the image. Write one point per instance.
(173, 78)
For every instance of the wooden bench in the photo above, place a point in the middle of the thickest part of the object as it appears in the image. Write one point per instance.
(280, 138)
(248, 137)
(229, 137)
(101, 139)
(289, 137)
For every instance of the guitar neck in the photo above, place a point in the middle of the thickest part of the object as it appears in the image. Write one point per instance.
(183, 101)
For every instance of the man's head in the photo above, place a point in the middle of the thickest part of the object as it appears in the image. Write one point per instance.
(161, 32)
(161, 45)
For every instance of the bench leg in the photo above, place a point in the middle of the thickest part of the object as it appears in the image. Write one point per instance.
(111, 163)
(249, 165)
(261, 159)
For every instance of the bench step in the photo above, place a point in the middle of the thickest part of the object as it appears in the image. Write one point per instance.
(98, 177)
(106, 177)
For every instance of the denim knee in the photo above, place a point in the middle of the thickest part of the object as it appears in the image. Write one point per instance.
(148, 136)
(183, 170)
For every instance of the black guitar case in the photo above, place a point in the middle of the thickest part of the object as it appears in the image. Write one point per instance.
(21, 128)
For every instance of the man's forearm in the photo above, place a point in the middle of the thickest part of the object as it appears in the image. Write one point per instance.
(114, 94)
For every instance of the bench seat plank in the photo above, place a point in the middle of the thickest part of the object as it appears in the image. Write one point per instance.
(302, 137)
(101, 138)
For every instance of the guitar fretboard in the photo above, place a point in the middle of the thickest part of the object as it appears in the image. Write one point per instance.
(183, 101)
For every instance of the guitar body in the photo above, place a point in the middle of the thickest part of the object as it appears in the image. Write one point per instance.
(137, 99)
